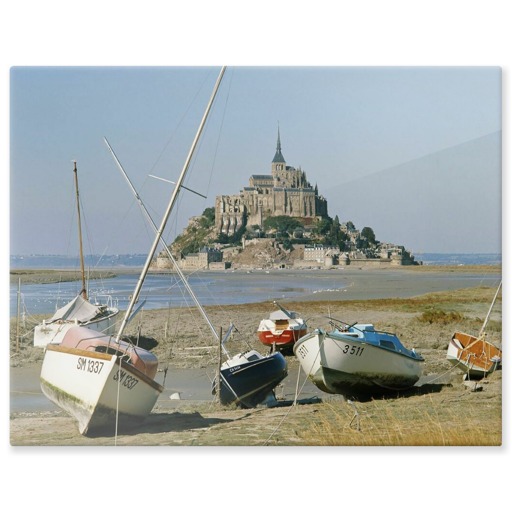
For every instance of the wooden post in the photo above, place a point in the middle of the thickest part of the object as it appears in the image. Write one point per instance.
(18, 317)
(220, 364)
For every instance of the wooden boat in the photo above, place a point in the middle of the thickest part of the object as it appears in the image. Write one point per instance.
(105, 382)
(249, 378)
(357, 361)
(475, 355)
(281, 329)
(100, 381)
(79, 311)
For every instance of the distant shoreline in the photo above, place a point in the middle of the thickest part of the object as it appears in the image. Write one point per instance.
(49, 275)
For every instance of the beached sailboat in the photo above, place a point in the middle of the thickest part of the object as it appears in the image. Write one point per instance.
(80, 310)
(249, 378)
(357, 360)
(101, 381)
(281, 329)
(475, 355)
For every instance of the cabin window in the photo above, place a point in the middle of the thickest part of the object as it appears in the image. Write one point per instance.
(253, 357)
(387, 344)
(112, 351)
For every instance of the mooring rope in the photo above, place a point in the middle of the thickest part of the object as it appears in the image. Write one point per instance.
(445, 373)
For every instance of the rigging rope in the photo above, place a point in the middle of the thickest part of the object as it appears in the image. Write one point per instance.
(296, 394)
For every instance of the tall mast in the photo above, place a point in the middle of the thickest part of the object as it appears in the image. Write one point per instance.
(166, 247)
(83, 292)
(489, 312)
(170, 206)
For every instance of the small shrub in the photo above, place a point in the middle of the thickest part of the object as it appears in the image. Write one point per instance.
(438, 316)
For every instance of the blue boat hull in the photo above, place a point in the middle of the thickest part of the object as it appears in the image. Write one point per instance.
(249, 384)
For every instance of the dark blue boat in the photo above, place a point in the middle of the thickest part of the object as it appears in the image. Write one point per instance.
(248, 379)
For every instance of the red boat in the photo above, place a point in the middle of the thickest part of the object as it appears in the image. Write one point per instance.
(282, 328)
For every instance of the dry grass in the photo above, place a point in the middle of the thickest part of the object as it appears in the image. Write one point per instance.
(454, 418)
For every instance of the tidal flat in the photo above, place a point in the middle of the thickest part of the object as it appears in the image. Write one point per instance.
(441, 410)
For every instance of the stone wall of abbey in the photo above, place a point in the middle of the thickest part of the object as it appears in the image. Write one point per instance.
(286, 191)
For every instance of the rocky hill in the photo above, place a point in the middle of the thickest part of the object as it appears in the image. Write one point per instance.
(281, 241)
(263, 253)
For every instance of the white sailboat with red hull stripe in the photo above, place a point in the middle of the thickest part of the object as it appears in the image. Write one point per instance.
(100, 382)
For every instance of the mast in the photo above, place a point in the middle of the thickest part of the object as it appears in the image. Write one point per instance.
(286, 312)
(489, 312)
(83, 292)
(170, 206)
(155, 229)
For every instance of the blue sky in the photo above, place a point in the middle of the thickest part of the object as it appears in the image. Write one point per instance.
(339, 124)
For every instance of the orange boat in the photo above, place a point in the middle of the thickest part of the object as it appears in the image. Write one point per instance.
(476, 356)
(282, 328)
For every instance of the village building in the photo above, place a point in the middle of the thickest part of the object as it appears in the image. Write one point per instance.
(207, 258)
(319, 253)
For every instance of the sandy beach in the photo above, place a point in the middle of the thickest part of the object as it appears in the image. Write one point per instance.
(394, 301)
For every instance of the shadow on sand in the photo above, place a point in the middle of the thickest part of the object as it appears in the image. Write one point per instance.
(424, 389)
(162, 422)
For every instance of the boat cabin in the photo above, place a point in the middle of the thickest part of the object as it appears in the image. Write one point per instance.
(83, 338)
(366, 333)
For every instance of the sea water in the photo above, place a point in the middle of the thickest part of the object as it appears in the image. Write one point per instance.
(167, 290)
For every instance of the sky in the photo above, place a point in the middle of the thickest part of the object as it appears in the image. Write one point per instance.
(339, 124)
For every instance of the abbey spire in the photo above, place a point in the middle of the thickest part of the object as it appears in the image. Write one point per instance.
(278, 163)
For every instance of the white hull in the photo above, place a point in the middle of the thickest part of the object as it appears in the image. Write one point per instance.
(54, 332)
(92, 388)
(350, 366)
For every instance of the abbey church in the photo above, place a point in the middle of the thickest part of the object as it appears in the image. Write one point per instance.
(286, 191)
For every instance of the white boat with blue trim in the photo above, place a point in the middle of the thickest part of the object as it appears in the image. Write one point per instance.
(357, 360)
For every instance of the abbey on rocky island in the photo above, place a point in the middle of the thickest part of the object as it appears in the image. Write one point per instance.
(286, 191)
